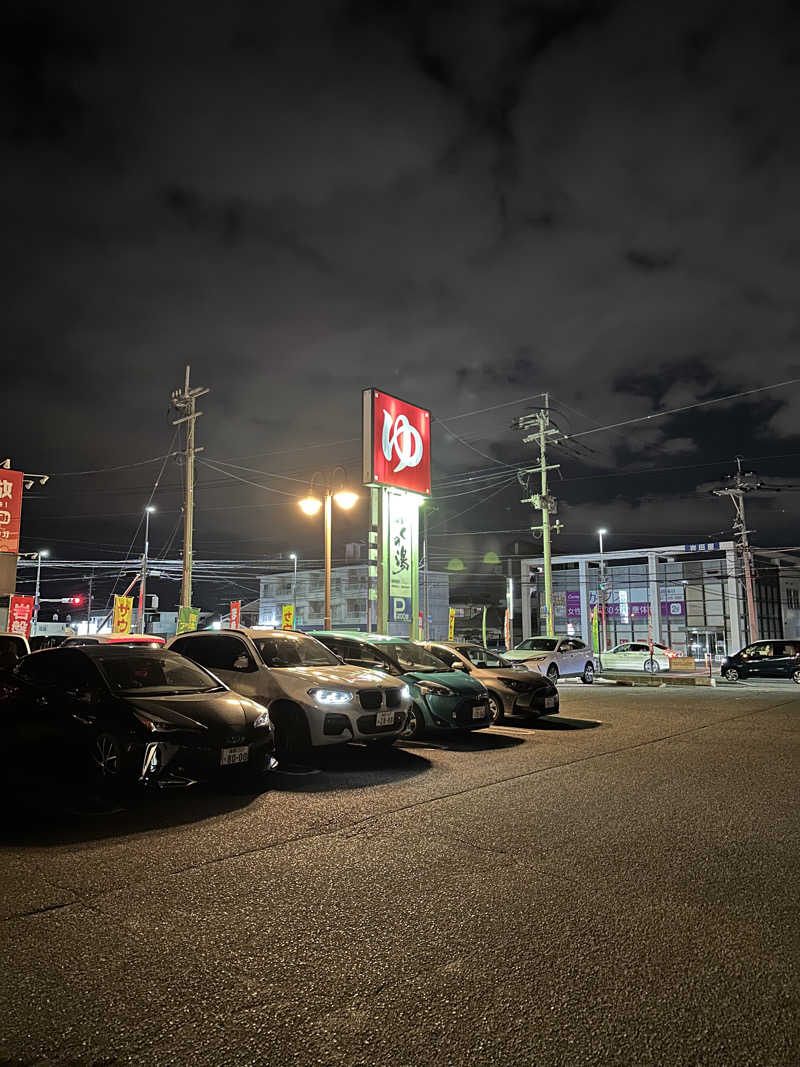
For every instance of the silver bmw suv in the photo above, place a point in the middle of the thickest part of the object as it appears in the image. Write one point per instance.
(312, 697)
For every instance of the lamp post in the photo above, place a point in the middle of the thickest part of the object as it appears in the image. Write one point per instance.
(601, 600)
(293, 558)
(311, 504)
(143, 579)
(42, 552)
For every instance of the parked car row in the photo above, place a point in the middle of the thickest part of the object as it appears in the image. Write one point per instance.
(230, 702)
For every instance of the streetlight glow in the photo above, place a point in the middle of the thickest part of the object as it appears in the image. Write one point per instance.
(150, 508)
(345, 498)
(310, 505)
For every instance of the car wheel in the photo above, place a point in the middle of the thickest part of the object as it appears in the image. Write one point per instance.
(796, 677)
(109, 762)
(552, 673)
(732, 675)
(496, 709)
(415, 727)
(651, 666)
(588, 674)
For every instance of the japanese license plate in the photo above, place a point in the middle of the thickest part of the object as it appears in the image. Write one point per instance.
(479, 711)
(384, 718)
(549, 702)
(234, 755)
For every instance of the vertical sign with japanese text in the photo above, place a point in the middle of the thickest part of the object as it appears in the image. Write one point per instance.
(20, 614)
(451, 629)
(10, 509)
(188, 619)
(403, 529)
(287, 617)
(123, 615)
(236, 614)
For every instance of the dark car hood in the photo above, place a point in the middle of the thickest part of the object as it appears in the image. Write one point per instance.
(213, 711)
(458, 681)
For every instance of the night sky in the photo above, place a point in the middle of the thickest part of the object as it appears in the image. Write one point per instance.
(462, 203)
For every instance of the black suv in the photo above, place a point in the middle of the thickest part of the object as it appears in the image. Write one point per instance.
(764, 659)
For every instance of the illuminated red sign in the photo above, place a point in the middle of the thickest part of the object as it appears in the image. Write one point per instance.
(10, 509)
(236, 614)
(20, 613)
(397, 443)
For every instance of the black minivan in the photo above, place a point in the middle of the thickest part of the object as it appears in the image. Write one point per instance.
(764, 659)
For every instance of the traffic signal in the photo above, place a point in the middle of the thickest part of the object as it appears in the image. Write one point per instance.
(76, 600)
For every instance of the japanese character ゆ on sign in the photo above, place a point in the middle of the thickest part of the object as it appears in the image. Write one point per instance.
(397, 443)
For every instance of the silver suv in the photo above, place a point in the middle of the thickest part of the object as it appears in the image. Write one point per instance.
(312, 697)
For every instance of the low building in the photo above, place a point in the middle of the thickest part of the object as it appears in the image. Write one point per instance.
(349, 599)
(690, 597)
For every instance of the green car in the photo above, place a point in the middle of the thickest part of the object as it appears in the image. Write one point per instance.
(444, 700)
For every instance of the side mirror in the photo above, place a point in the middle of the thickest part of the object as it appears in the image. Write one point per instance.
(465, 667)
(341, 659)
(241, 663)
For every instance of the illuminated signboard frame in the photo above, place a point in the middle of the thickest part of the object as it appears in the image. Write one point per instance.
(396, 441)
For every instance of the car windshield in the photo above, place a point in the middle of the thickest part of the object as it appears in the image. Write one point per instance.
(413, 657)
(155, 675)
(477, 655)
(542, 644)
(294, 650)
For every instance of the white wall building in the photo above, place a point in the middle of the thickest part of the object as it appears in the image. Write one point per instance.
(694, 594)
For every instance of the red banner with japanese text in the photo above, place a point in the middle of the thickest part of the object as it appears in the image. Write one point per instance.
(10, 509)
(20, 615)
(236, 614)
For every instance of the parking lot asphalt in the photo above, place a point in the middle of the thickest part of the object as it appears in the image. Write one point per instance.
(614, 885)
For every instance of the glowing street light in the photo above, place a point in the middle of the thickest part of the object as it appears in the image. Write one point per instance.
(311, 504)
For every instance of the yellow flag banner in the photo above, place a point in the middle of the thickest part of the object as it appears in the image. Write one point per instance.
(287, 617)
(123, 615)
(451, 632)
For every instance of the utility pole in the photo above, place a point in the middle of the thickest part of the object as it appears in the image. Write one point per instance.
(743, 483)
(544, 503)
(185, 403)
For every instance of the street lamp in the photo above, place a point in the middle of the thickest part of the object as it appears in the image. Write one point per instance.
(42, 552)
(148, 511)
(293, 558)
(311, 504)
(602, 597)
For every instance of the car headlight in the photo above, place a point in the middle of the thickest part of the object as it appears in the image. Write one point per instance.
(405, 693)
(331, 696)
(262, 720)
(434, 689)
(157, 726)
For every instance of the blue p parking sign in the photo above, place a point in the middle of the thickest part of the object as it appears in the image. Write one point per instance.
(400, 608)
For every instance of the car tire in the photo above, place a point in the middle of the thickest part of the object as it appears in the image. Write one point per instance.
(732, 675)
(651, 667)
(292, 736)
(588, 674)
(496, 709)
(415, 727)
(552, 673)
(796, 677)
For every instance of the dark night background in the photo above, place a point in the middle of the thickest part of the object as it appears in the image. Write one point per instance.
(463, 203)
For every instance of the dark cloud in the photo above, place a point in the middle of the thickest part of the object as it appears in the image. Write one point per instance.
(462, 202)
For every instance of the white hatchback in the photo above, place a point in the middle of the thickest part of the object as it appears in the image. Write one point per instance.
(556, 657)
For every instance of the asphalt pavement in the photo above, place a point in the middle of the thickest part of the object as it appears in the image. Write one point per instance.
(614, 885)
